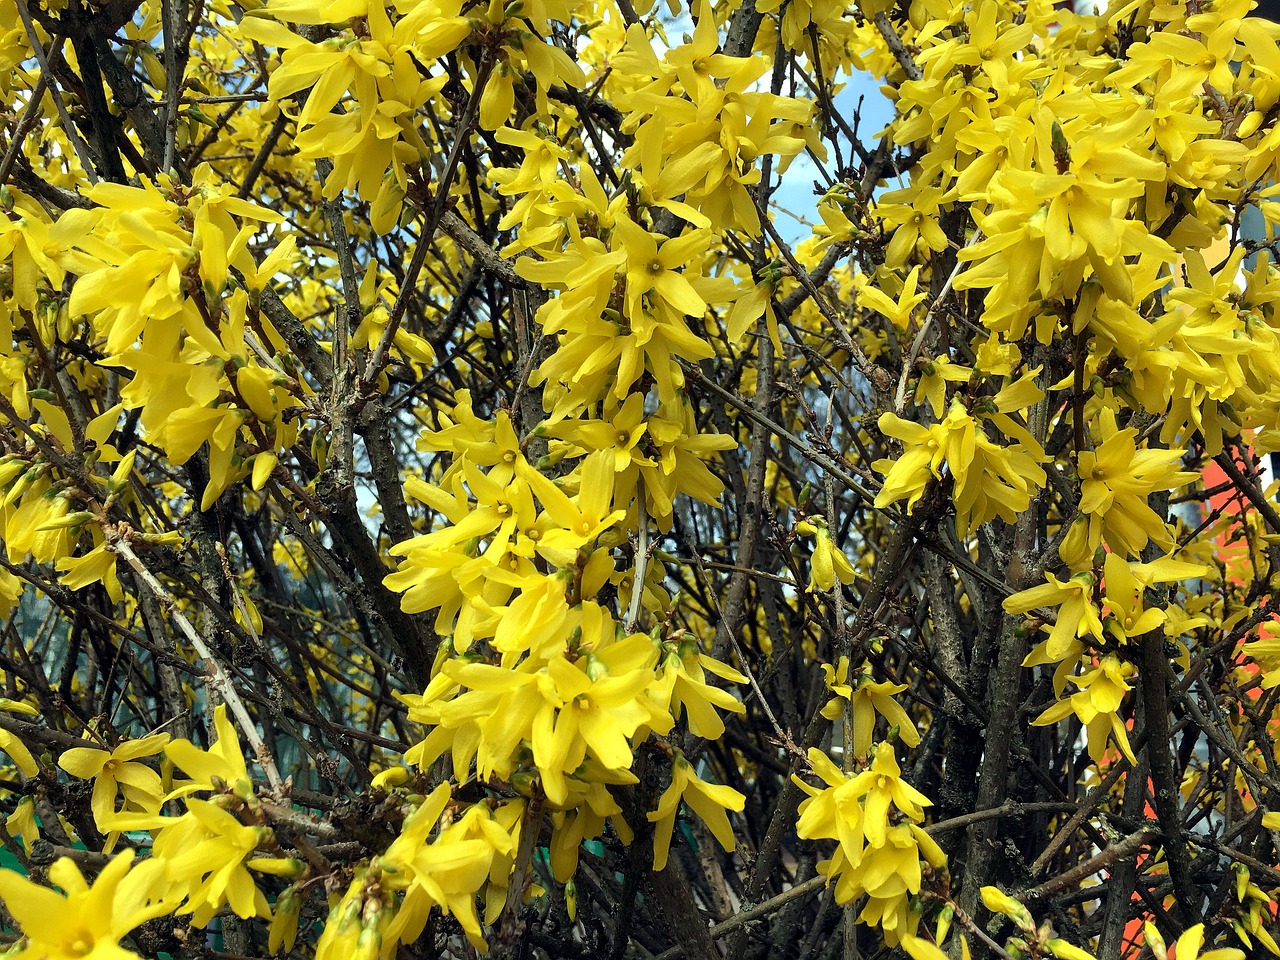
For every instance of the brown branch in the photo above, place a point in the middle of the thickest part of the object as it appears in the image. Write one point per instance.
(772, 905)
(1113, 854)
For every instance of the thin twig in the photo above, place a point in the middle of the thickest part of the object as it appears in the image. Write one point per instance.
(897, 47)
(82, 151)
(642, 560)
(769, 906)
(1100, 861)
(909, 361)
(29, 114)
(429, 226)
(117, 539)
(873, 374)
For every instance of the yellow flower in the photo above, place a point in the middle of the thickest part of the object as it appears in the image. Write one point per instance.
(1077, 616)
(579, 523)
(1129, 616)
(708, 800)
(27, 238)
(1065, 950)
(204, 854)
(918, 949)
(828, 564)
(588, 807)
(118, 771)
(988, 480)
(882, 786)
(915, 222)
(1116, 481)
(934, 378)
(890, 873)
(836, 227)
(565, 710)
(283, 930)
(1265, 652)
(1126, 584)
(223, 761)
(12, 745)
(876, 856)
(446, 872)
(681, 687)
(96, 566)
(1188, 946)
(869, 698)
(995, 900)
(653, 270)
(22, 822)
(898, 312)
(87, 922)
(1102, 690)
(356, 926)
(680, 468)
(620, 434)
(921, 461)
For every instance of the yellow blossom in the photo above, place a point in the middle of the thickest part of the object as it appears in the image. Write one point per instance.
(708, 800)
(1102, 689)
(222, 761)
(86, 921)
(116, 771)
(868, 698)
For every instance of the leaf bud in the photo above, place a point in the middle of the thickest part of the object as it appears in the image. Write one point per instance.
(1249, 125)
(368, 945)
(290, 868)
(1061, 149)
(997, 901)
(596, 669)
(522, 783)
(944, 923)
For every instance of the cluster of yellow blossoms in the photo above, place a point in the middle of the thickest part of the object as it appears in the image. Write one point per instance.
(1086, 164)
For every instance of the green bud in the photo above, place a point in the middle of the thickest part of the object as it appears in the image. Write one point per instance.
(944, 923)
(1061, 149)
(522, 783)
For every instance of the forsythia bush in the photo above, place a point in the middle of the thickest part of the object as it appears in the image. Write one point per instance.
(446, 511)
